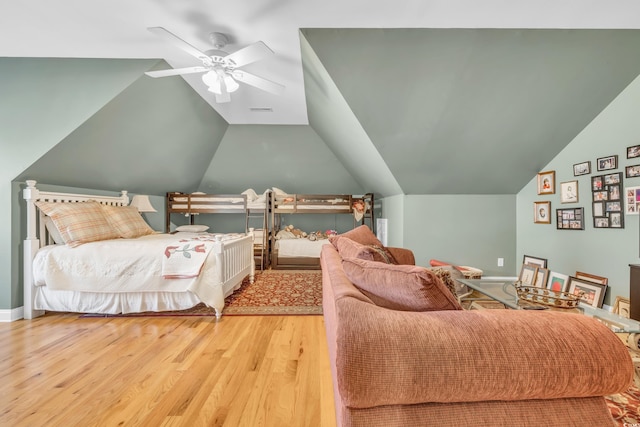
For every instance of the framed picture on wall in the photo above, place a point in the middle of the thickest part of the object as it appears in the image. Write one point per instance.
(632, 171)
(547, 182)
(583, 168)
(570, 219)
(542, 212)
(569, 192)
(633, 151)
(611, 200)
(632, 200)
(607, 163)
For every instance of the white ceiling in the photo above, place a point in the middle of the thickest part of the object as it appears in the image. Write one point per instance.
(117, 29)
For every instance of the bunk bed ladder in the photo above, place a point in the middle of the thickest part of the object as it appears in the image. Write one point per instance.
(260, 233)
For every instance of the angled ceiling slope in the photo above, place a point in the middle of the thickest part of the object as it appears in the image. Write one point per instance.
(475, 111)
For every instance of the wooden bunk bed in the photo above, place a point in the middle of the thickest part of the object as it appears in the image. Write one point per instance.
(309, 256)
(254, 208)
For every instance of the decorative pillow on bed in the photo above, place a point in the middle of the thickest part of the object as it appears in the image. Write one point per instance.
(127, 221)
(399, 287)
(80, 222)
(193, 228)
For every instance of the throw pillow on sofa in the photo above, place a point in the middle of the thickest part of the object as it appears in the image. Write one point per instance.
(348, 248)
(400, 287)
(364, 236)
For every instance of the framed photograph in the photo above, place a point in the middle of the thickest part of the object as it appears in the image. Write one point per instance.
(632, 171)
(613, 178)
(613, 207)
(607, 163)
(590, 293)
(558, 282)
(570, 219)
(535, 261)
(542, 212)
(616, 220)
(602, 222)
(547, 182)
(583, 168)
(632, 200)
(601, 195)
(592, 278)
(614, 192)
(598, 209)
(596, 183)
(542, 274)
(528, 274)
(622, 307)
(569, 192)
(633, 151)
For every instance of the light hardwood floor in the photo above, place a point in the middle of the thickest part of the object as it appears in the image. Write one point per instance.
(62, 370)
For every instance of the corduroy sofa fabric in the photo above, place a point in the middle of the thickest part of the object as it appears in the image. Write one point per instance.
(458, 367)
(399, 287)
(362, 235)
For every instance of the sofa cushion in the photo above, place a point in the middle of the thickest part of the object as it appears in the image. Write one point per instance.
(400, 287)
(364, 236)
(348, 248)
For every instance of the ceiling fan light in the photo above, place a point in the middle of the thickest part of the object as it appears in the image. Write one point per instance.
(230, 83)
(211, 80)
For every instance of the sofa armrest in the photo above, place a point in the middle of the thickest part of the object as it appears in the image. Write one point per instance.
(385, 357)
(402, 256)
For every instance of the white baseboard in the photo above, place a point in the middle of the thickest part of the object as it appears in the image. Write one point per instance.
(11, 315)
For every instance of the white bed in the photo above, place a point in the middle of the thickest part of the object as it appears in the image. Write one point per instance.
(65, 278)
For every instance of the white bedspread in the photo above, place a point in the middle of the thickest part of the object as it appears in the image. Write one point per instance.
(300, 247)
(135, 265)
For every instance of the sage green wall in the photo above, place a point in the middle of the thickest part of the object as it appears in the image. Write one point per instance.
(603, 252)
(473, 230)
(42, 101)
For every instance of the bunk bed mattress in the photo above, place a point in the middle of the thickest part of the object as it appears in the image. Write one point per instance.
(121, 275)
(294, 248)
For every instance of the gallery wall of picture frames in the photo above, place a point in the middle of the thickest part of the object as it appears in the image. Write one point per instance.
(610, 200)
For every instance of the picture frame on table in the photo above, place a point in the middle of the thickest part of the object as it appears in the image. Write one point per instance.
(591, 277)
(607, 163)
(542, 274)
(542, 212)
(632, 171)
(535, 261)
(633, 151)
(583, 168)
(569, 192)
(558, 282)
(528, 274)
(590, 293)
(622, 307)
(547, 182)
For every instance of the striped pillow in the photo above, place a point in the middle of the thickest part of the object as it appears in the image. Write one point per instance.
(127, 221)
(80, 222)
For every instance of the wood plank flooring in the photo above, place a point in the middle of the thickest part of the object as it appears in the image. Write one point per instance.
(62, 370)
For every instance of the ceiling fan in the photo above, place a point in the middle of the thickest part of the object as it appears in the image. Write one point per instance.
(221, 68)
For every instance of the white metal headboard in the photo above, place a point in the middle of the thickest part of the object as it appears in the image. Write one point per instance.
(37, 235)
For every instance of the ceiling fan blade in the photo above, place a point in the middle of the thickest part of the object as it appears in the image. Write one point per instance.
(259, 82)
(252, 53)
(169, 36)
(176, 71)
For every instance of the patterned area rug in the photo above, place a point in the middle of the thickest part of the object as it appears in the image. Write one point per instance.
(625, 407)
(274, 292)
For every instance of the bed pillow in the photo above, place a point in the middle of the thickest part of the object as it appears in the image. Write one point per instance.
(127, 221)
(400, 287)
(80, 222)
(53, 231)
(251, 194)
(193, 228)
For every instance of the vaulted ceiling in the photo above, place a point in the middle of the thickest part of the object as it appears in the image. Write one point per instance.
(429, 98)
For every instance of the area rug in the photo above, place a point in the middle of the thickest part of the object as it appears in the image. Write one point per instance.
(273, 292)
(625, 407)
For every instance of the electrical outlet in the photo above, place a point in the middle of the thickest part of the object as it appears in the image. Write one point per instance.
(500, 262)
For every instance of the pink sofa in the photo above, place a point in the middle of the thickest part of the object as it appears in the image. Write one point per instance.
(403, 352)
